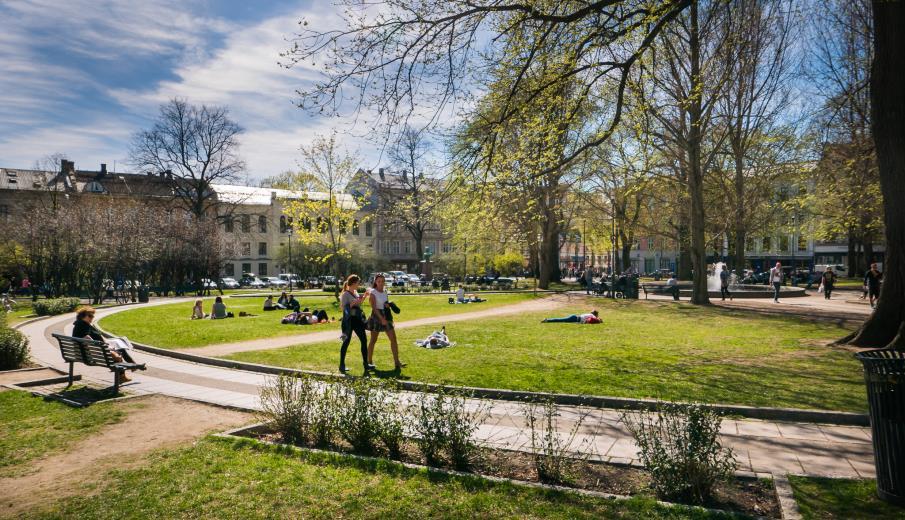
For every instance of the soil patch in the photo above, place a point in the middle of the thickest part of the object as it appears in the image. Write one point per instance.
(151, 422)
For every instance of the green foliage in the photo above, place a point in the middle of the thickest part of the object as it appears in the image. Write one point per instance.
(443, 423)
(13, 348)
(288, 403)
(680, 447)
(508, 263)
(359, 413)
(54, 306)
(553, 453)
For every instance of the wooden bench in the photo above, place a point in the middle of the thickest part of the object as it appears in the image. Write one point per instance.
(658, 288)
(93, 353)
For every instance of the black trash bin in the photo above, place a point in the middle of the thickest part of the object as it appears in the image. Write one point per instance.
(143, 294)
(631, 290)
(884, 373)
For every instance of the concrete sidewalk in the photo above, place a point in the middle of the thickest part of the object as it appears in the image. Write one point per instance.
(760, 446)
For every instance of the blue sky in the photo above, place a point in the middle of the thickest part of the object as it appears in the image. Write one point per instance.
(81, 76)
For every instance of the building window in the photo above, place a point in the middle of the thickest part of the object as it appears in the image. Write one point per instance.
(802, 243)
(228, 225)
(229, 270)
(262, 224)
(650, 245)
(262, 269)
(246, 268)
(407, 247)
(355, 224)
(246, 224)
(784, 243)
(283, 227)
(447, 247)
(262, 248)
(395, 247)
(246, 249)
(369, 229)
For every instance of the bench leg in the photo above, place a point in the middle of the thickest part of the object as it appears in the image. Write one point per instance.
(116, 376)
(70, 374)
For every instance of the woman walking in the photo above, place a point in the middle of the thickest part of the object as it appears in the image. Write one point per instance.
(353, 321)
(828, 281)
(381, 320)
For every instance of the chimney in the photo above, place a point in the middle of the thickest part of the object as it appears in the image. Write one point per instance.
(380, 173)
(103, 170)
(66, 167)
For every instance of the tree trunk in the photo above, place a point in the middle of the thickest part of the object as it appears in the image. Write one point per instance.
(549, 254)
(695, 170)
(741, 229)
(886, 326)
(683, 267)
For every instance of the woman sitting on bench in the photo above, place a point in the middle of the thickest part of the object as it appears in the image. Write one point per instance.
(589, 318)
(84, 329)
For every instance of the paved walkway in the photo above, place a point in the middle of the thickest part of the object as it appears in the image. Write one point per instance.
(760, 446)
(224, 349)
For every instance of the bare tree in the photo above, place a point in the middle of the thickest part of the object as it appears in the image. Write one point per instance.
(413, 197)
(194, 147)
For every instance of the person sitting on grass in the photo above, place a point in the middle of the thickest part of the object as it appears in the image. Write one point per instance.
(589, 318)
(268, 304)
(198, 310)
(283, 302)
(85, 329)
(293, 304)
(218, 312)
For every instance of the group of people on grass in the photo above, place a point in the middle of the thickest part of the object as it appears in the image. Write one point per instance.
(218, 310)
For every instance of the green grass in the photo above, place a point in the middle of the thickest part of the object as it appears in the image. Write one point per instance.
(221, 479)
(20, 313)
(169, 326)
(828, 499)
(31, 427)
(668, 351)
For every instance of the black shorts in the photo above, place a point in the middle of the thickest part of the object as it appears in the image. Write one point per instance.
(873, 291)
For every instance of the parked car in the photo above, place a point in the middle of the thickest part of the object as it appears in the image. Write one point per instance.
(276, 282)
(414, 280)
(207, 283)
(504, 283)
(313, 282)
(229, 283)
(400, 279)
(247, 278)
(253, 283)
(289, 277)
(329, 280)
(840, 270)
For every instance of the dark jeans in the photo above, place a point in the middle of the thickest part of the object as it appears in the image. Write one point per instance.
(358, 328)
(724, 292)
(827, 290)
(776, 286)
(674, 290)
(573, 318)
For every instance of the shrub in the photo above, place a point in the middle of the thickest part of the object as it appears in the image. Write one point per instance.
(551, 450)
(358, 417)
(54, 306)
(443, 423)
(680, 446)
(330, 288)
(13, 349)
(392, 424)
(287, 402)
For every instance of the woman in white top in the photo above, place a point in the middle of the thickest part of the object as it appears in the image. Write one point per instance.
(381, 320)
(198, 310)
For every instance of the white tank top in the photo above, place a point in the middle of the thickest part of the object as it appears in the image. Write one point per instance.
(380, 298)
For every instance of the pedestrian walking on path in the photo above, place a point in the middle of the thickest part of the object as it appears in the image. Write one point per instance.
(828, 282)
(776, 280)
(353, 321)
(872, 280)
(381, 320)
(724, 283)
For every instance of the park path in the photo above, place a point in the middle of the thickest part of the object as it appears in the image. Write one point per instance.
(224, 349)
(760, 446)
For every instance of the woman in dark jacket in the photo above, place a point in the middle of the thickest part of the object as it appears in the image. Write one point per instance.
(84, 328)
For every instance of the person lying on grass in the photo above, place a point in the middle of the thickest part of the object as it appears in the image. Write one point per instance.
(589, 318)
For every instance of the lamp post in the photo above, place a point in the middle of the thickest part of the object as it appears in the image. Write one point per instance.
(290, 257)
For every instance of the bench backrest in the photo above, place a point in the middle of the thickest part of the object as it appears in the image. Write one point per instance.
(87, 351)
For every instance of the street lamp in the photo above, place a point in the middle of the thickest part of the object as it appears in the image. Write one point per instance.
(290, 257)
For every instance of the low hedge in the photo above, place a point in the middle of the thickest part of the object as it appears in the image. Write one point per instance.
(53, 306)
(13, 349)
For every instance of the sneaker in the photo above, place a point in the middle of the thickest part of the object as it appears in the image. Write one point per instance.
(343, 370)
(370, 366)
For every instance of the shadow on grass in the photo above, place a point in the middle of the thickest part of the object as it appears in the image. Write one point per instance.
(83, 395)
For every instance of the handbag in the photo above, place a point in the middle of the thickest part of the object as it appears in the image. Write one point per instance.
(820, 289)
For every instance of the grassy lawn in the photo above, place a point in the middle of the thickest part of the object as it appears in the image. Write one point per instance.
(218, 479)
(674, 352)
(19, 313)
(827, 498)
(169, 326)
(31, 427)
